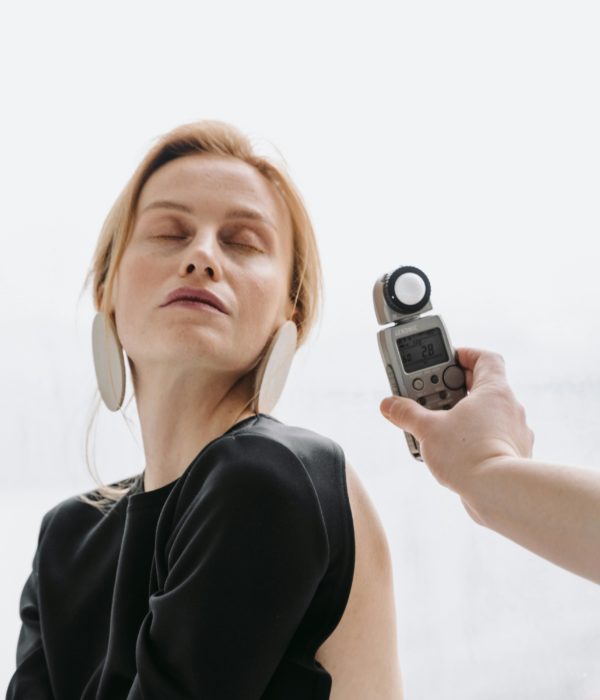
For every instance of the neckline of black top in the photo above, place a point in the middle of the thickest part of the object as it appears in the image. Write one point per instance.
(138, 498)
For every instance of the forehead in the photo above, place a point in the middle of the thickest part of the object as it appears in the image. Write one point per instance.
(203, 179)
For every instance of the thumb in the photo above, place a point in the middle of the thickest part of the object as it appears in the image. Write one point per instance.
(406, 414)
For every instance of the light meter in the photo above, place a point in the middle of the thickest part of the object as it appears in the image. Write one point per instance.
(416, 350)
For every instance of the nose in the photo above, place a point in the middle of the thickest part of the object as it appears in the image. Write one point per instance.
(203, 253)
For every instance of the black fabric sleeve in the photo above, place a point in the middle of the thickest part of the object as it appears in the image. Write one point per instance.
(31, 679)
(243, 563)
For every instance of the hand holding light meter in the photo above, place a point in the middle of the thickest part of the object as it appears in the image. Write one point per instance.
(416, 351)
(482, 450)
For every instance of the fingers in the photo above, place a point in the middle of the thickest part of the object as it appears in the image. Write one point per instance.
(481, 366)
(469, 379)
(531, 442)
(407, 414)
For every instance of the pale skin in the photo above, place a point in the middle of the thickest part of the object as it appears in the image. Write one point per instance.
(361, 655)
(186, 365)
(185, 361)
(482, 450)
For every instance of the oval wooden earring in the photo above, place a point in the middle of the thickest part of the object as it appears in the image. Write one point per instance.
(108, 363)
(272, 374)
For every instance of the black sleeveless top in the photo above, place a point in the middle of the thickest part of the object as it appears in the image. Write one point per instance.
(220, 585)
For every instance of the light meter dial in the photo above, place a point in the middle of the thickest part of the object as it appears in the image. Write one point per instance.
(407, 290)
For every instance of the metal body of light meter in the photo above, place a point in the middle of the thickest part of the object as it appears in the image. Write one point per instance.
(416, 350)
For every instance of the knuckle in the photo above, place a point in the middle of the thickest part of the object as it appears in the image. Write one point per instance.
(505, 392)
(495, 357)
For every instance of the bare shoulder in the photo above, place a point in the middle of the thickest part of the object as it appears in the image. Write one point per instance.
(361, 654)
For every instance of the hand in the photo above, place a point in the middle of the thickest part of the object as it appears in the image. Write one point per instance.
(489, 423)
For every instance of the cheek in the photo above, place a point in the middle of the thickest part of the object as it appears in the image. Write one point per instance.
(139, 274)
(259, 293)
(259, 304)
(137, 289)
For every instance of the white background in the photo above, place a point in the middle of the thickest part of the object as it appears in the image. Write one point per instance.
(461, 137)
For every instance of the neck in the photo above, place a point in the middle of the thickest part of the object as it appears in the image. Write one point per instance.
(181, 413)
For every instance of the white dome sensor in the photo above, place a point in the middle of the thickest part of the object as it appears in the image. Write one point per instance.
(410, 288)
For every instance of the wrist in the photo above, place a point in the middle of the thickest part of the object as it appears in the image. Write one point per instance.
(487, 486)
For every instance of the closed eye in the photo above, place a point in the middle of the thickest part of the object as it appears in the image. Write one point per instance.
(234, 243)
(243, 245)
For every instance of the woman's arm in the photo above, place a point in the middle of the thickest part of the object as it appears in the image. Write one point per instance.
(367, 630)
(243, 564)
(31, 678)
(481, 449)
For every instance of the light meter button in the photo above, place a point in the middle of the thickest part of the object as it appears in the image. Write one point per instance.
(454, 377)
(418, 384)
(410, 289)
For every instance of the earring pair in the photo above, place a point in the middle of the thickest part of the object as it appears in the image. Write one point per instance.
(271, 375)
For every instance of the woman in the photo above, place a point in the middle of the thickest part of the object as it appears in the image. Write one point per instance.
(246, 560)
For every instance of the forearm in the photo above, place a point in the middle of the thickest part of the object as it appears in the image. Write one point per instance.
(552, 510)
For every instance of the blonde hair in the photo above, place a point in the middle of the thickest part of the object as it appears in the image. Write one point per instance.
(214, 137)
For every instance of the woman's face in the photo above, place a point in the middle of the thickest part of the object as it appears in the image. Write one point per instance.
(213, 211)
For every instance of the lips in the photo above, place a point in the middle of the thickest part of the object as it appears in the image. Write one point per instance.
(196, 294)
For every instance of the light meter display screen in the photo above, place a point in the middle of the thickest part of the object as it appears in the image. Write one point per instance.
(422, 350)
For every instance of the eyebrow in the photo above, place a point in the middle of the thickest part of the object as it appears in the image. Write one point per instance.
(235, 213)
